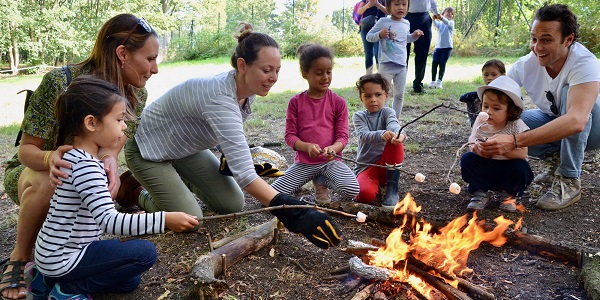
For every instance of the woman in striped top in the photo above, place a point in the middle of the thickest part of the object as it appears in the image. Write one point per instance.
(71, 260)
(171, 156)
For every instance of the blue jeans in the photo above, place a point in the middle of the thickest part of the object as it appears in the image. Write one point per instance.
(440, 58)
(371, 49)
(108, 266)
(572, 148)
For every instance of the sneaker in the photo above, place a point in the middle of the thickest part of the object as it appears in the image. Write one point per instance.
(508, 205)
(56, 294)
(479, 201)
(564, 192)
(432, 85)
(550, 164)
(36, 283)
(322, 194)
(438, 84)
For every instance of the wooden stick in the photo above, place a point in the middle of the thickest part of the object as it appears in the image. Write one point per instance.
(255, 211)
(340, 270)
(364, 293)
(449, 291)
(471, 288)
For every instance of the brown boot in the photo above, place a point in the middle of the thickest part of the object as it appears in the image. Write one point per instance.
(129, 191)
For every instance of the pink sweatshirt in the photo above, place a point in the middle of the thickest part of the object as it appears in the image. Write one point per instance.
(320, 121)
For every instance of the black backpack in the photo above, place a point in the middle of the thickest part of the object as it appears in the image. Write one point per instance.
(28, 96)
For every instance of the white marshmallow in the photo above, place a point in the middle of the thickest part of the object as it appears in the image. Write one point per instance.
(454, 188)
(360, 217)
(419, 177)
(483, 116)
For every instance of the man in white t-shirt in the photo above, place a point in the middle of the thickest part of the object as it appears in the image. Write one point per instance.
(562, 78)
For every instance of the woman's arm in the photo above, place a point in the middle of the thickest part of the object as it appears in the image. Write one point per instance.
(32, 156)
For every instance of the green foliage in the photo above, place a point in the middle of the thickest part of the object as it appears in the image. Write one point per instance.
(205, 44)
(57, 32)
(350, 45)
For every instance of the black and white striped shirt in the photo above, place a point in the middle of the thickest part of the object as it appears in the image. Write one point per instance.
(80, 211)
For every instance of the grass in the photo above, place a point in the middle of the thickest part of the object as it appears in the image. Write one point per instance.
(462, 75)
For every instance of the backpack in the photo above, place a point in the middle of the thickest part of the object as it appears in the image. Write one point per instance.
(355, 15)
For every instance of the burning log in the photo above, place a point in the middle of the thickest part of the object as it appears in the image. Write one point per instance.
(464, 284)
(357, 266)
(360, 248)
(574, 255)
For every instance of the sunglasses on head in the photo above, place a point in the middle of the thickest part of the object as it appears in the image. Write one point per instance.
(553, 107)
(142, 22)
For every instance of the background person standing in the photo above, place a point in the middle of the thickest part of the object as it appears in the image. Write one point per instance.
(418, 16)
(371, 11)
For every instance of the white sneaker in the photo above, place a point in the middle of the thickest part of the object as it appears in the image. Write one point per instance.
(438, 85)
(432, 85)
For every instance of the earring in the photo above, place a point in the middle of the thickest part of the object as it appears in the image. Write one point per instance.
(122, 65)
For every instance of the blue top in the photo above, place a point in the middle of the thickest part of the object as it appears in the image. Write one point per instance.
(446, 31)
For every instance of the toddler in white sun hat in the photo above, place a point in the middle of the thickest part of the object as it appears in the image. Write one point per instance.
(509, 174)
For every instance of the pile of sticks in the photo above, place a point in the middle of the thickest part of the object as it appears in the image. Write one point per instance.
(432, 276)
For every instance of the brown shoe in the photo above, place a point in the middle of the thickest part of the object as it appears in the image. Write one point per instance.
(129, 191)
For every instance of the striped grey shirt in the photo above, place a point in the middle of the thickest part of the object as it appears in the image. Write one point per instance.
(80, 211)
(195, 115)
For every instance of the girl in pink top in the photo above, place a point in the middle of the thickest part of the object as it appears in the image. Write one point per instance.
(317, 127)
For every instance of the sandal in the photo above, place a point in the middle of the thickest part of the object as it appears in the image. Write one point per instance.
(14, 277)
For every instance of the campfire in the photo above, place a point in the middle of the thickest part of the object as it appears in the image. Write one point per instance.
(428, 260)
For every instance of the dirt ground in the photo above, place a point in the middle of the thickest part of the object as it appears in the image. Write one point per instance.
(298, 270)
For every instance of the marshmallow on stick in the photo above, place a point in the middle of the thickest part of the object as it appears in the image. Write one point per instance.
(454, 188)
(419, 177)
(483, 116)
(360, 217)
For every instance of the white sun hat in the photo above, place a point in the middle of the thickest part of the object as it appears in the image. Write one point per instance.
(506, 85)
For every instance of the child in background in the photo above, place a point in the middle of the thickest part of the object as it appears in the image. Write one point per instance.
(376, 128)
(71, 260)
(393, 34)
(316, 127)
(509, 173)
(443, 47)
(491, 70)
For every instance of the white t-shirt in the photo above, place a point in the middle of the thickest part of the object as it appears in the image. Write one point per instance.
(581, 66)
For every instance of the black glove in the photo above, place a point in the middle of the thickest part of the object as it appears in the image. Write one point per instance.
(316, 226)
(264, 169)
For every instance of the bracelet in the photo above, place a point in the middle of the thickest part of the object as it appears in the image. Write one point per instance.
(515, 137)
(47, 158)
(105, 156)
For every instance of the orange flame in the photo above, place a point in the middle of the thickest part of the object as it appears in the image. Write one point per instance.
(448, 250)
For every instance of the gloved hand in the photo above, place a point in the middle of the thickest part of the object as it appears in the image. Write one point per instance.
(316, 226)
(264, 169)
(267, 170)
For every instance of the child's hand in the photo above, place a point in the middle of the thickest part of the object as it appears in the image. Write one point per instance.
(417, 34)
(328, 153)
(399, 140)
(180, 221)
(384, 33)
(388, 136)
(313, 150)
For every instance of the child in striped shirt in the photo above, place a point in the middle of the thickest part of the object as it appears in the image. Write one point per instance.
(71, 260)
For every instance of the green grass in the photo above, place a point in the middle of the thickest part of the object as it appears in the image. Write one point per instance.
(274, 105)
(10, 130)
